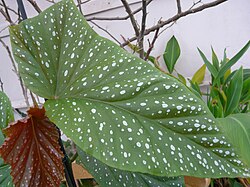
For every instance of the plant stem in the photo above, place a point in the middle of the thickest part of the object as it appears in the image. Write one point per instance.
(66, 163)
(74, 157)
(22, 9)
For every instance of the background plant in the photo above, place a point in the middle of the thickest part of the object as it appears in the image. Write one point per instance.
(228, 92)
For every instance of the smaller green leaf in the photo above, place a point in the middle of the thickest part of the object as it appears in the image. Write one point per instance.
(108, 176)
(236, 126)
(181, 78)
(216, 107)
(225, 59)
(5, 177)
(233, 60)
(233, 92)
(228, 72)
(195, 89)
(199, 74)
(237, 184)
(6, 113)
(246, 88)
(246, 75)
(215, 60)
(210, 67)
(171, 54)
(151, 59)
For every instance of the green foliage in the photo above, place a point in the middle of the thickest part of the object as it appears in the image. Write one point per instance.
(171, 54)
(181, 78)
(226, 66)
(6, 116)
(6, 113)
(229, 92)
(108, 176)
(115, 106)
(233, 92)
(199, 75)
(237, 128)
(5, 177)
(210, 67)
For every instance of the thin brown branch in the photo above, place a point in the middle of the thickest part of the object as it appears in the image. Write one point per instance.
(151, 45)
(24, 89)
(35, 5)
(7, 15)
(175, 18)
(195, 3)
(105, 30)
(131, 17)
(82, 2)
(118, 18)
(3, 29)
(143, 27)
(50, 1)
(178, 2)
(10, 9)
(1, 84)
(79, 5)
(166, 28)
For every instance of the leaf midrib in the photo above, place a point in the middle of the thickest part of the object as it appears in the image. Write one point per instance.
(38, 151)
(165, 128)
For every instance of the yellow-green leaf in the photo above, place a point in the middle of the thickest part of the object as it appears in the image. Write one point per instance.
(199, 74)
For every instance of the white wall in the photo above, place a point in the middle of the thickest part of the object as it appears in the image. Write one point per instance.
(224, 26)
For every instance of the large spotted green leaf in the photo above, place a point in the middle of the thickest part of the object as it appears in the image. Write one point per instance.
(6, 116)
(115, 106)
(108, 176)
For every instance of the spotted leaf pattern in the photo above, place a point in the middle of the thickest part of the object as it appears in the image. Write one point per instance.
(5, 177)
(6, 113)
(33, 151)
(115, 106)
(6, 116)
(108, 176)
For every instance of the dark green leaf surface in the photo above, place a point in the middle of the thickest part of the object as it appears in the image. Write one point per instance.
(233, 92)
(182, 78)
(5, 177)
(115, 106)
(215, 60)
(6, 116)
(171, 54)
(108, 176)
(6, 113)
(210, 67)
(237, 127)
(233, 60)
(246, 75)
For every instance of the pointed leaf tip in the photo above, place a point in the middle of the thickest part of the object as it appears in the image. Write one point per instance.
(171, 54)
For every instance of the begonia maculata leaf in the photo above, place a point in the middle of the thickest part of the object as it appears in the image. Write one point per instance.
(115, 106)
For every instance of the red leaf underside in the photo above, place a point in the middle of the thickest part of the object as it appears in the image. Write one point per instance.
(33, 151)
